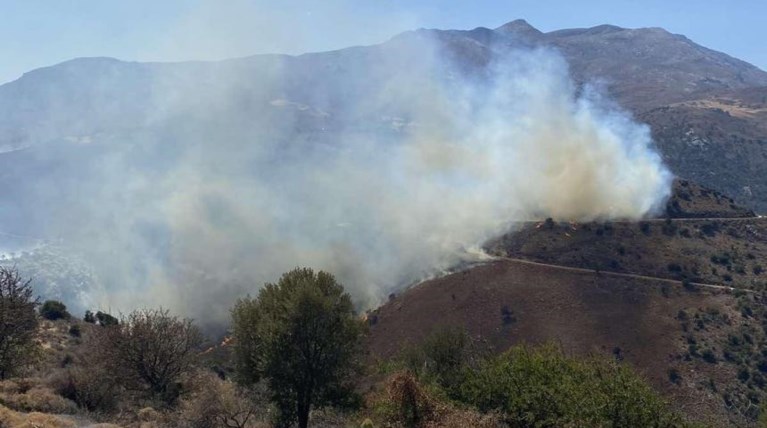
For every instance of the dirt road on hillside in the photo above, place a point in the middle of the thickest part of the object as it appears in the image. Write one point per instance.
(623, 275)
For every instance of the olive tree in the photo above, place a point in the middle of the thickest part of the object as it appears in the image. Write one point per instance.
(302, 336)
(18, 322)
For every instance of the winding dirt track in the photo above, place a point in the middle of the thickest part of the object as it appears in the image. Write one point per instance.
(674, 220)
(692, 219)
(624, 275)
(645, 277)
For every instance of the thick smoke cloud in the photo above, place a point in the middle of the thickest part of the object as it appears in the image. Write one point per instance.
(402, 176)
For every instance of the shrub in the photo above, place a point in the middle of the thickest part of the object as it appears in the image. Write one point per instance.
(75, 331)
(542, 387)
(410, 405)
(28, 395)
(674, 267)
(645, 228)
(54, 310)
(441, 358)
(106, 320)
(67, 360)
(18, 323)
(101, 318)
(724, 259)
(150, 351)
(39, 400)
(669, 228)
(689, 285)
(710, 229)
(674, 376)
(507, 316)
(10, 418)
(744, 374)
(709, 356)
(665, 290)
(92, 388)
(220, 403)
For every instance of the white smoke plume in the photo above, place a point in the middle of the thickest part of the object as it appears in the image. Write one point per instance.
(394, 183)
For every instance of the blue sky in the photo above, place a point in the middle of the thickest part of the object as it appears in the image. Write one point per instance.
(37, 33)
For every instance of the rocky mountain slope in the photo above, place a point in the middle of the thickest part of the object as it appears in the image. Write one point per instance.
(70, 113)
(646, 67)
(717, 139)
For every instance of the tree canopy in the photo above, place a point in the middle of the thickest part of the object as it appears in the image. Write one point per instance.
(302, 336)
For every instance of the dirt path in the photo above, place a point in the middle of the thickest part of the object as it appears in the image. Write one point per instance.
(623, 275)
(690, 219)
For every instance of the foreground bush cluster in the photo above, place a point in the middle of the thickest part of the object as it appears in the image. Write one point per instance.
(450, 377)
(295, 357)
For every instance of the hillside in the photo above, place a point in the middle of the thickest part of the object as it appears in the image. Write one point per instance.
(660, 294)
(645, 67)
(691, 200)
(718, 141)
(506, 303)
(705, 239)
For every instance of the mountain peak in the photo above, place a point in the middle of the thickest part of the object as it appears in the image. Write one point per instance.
(519, 27)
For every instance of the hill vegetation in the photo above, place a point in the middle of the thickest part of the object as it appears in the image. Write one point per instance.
(679, 298)
(152, 369)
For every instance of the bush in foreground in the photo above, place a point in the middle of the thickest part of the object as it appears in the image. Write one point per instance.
(29, 395)
(442, 358)
(523, 387)
(543, 387)
(221, 403)
(10, 418)
(406, 402)
(149, 351)
(91, 388)
(18, 322)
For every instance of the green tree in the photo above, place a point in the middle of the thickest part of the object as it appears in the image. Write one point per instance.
(18, 322)
(54, 310)
(301, 335)
(105, 319)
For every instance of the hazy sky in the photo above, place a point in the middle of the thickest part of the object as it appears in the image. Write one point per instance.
(37, 33)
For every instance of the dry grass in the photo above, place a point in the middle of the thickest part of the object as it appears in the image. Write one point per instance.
(29, 396)
(406, 403)
(12, 419)
(220, 403)
(90, 388)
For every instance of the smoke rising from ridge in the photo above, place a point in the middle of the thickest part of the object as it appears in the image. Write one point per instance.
(382, 165)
